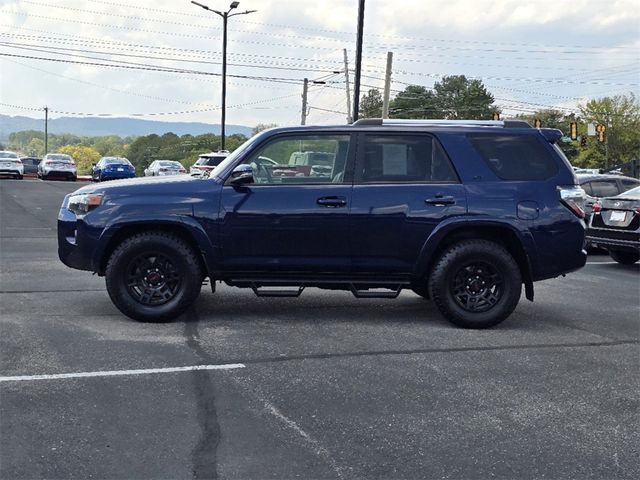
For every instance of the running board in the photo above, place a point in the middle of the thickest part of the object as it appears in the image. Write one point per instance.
(390, 293)
(274, 292)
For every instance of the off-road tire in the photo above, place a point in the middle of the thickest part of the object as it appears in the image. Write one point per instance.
(460, 257)
(182, 257)
(624, 257)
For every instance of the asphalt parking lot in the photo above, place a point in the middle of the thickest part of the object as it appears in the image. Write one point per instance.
(330, 386)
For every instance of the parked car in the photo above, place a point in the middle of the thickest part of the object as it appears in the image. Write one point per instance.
(597, 186)
(615, 226)
(30, 165)
(164, 167)
(207, 162)
(10, 164)
(57, 165)
(112, 168)
(463, 213)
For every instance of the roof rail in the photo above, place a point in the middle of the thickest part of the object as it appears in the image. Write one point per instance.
(443, 123)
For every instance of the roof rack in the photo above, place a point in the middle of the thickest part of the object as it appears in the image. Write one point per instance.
(443, 123)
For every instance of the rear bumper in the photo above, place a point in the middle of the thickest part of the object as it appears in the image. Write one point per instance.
(618, 244)
(116, 175)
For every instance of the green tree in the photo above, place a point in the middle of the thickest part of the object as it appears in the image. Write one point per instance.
(415, 101)
(457, 97)
(83, 156)
(261, 127)
(621, 116)
(371, 104)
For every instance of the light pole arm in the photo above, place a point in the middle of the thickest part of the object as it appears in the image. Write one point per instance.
(242, 13)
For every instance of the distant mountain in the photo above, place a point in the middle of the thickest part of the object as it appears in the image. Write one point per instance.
(123, 127)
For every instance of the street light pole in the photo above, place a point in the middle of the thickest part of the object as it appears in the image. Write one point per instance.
(225, 17)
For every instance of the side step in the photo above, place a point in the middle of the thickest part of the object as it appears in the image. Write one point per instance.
(267, 291)
(378, 293)
(276, 292)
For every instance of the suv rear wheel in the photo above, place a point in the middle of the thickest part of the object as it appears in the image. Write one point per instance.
(475, 284)
(153, 277)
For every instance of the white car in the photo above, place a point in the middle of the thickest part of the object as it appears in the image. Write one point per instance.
(57, 165)
(164, 167)
(207, 162)
(10, 164)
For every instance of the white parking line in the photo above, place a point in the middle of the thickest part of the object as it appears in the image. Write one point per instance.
(602, 263)
(121, 373)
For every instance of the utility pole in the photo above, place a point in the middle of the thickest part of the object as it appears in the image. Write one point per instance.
(305, 91)
(225, 17)
(387, 86)
(356, 87)
(46, 130)
(346, 79)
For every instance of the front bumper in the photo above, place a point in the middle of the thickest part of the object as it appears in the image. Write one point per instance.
(76, 240)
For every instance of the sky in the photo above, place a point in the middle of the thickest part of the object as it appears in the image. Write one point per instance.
(161, 59)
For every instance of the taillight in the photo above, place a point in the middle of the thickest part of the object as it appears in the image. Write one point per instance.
(638, 210)
(596, 207)
(573, 198)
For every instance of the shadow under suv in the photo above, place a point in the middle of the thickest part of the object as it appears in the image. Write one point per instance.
(462, 212)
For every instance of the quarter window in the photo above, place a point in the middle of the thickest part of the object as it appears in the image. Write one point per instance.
(404, 159)
(515, 157)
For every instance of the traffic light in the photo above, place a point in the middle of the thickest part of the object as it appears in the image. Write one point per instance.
(573, 130)
(583, 141)
(600, 129)
(496, 116)
(537, 123)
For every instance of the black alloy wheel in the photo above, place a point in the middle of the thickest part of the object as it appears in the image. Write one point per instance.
(475, 283)
(154, 276)
(477, 287)
(153, 279)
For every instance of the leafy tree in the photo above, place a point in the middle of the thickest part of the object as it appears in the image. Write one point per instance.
(262, 126)
(457, 97)
(83, 156)
(415, 101)
(371, 104)
(621, 115)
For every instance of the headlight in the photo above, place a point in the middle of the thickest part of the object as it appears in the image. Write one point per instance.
(83, 203)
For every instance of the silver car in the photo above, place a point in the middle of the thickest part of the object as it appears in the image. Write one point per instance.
(164, 167)
(57, 165)
(10, 164)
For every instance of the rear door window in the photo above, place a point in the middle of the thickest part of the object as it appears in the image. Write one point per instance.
(404, 159)
(515, 157)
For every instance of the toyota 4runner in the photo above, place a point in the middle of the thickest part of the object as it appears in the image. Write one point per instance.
(462, 212)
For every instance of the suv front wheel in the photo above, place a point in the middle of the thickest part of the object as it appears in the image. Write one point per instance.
(153, 276)
(475, 284)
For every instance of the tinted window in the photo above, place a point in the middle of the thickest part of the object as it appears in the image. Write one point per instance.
(604, 188)
(587, 188)
(404, 158)
(515, 157)
(627, 183)
(275, 163)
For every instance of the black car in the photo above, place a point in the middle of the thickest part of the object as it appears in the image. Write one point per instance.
(461, 212)
(30, 165)
(615, 226)
(597, 186)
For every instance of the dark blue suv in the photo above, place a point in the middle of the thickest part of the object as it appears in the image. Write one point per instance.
(463, 213)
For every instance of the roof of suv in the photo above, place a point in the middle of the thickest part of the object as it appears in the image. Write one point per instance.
(587, 177)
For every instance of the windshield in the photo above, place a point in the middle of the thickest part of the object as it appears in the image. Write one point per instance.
(221, 169)
(169, 163)
(118, 161)
(634, 192)
(8, 155)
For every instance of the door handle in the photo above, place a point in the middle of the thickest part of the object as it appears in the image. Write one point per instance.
(440, 201)
(332, 202)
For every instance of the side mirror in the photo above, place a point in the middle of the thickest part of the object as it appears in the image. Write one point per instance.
(241, 175)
